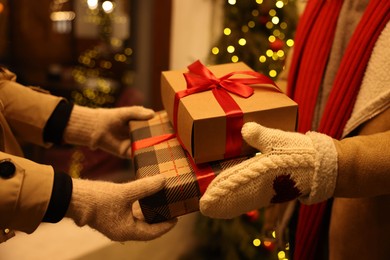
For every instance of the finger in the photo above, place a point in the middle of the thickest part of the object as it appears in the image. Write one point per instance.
(136, 113)
(124, 148)
(137, 211)
(265, 139)
(257, 136)
(144, 187)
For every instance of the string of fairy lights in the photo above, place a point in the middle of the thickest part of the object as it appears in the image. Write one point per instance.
(104, 68)
(261, 36)
(259, 33)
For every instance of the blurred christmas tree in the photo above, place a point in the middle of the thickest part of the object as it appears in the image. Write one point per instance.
(259, 33)
(105, 76)
(105, 69)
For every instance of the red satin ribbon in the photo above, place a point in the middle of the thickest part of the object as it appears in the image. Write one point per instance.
(204, 173)
(200, 78)
(147, 142)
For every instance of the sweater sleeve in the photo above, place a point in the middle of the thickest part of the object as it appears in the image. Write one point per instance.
(363, 166)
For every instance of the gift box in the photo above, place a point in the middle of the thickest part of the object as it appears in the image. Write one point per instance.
(157, 151)
(208, 106)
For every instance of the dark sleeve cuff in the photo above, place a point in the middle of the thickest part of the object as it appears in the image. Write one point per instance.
(60, 198)
(55, 125)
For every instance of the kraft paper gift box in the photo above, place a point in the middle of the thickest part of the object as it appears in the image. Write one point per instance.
(157, 151)
(208, 119)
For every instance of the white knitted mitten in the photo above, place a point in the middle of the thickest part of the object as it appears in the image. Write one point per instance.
(110, 208)
(104, 128)
(292, 165)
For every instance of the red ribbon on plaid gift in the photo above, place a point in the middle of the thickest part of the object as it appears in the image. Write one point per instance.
(200, 78)
(203, 172)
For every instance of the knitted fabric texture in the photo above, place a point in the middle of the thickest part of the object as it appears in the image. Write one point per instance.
(292, 166)
(106, 129)
(108, 208)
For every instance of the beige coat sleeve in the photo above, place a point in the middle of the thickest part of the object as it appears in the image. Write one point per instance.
(26, 110)
(363, 165)
(25, 195)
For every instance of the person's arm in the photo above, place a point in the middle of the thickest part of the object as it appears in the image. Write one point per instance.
(363, 166)
(27, 110)
(32, 193)
(310, 167)
(25, 192)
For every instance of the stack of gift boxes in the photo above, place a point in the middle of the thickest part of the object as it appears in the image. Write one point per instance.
(198, 134)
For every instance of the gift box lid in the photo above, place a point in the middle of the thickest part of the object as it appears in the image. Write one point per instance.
(201, 123)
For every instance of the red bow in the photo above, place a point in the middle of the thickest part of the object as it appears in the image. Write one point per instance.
(199, 79)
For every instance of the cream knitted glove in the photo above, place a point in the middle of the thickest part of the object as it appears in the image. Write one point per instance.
(104, 128)
(110, 207)
(292, 165)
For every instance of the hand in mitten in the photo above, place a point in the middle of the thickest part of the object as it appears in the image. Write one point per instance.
(104, 128)
(110, 208)
(291, 166)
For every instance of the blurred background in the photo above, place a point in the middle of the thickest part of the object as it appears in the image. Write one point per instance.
(110, 53)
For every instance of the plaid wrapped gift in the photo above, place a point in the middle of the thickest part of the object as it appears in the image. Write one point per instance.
(157, 151)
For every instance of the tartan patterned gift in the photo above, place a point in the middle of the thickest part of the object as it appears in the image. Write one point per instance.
(156, 150)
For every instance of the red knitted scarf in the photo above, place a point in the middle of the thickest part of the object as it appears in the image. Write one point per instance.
(314, 38)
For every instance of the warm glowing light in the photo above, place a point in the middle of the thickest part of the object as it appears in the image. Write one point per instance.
(108, 6)
(273, 234)
(262, 59)
(271, 38)
(259, 2)
(128, 51)
(276, 33)
(120, 57)
(227, 31)
(244, 29)
(242, 41)
(234, 58)
(230, 49)
(269, 25)
(280, 53)
(267, 243)
(275, 20)
(281, 254)
(272, 12)
(215, 50)
(251, 24)
(290, 42)
(272, 73)
(256, 242)
(232, 2)
(62, 16)
(269, 53)
(92, 4)
(1, 7)
(279, 4)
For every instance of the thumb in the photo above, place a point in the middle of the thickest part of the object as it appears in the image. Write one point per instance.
(267, 139)
(260, 137)
(144, 187)
(136, 113)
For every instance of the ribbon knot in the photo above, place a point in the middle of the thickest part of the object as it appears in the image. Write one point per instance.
(199, 78)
